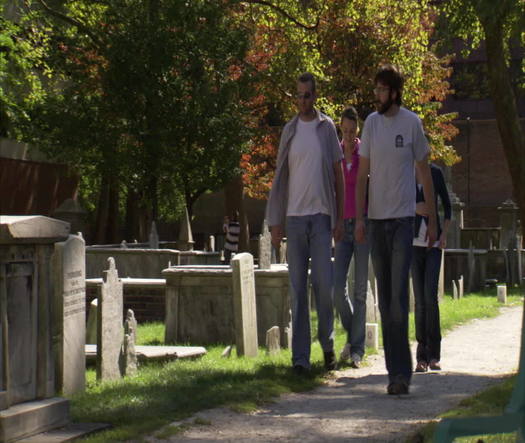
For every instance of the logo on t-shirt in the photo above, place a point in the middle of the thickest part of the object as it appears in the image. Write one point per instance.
(399, 141)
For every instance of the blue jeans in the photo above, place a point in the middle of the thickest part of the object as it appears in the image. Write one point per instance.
(391, 250)
(353, 315)
(426, 265)
(310, 236)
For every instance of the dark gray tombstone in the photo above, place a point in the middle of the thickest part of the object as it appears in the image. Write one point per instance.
(508, 216)
(471, 264)
(28, 321)
(153, 236)
(244, 307)
(70, 298)
(110, 332)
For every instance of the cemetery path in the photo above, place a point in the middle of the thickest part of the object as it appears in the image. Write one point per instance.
(352, 406)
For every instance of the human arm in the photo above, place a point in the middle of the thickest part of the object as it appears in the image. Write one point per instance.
(360, 198)
(423, 172)
(277, 233)
(340, 199)
(441, 190)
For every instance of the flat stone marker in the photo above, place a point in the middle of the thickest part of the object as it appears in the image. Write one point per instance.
(273, 340)
(372, 336)
(502, 294)
(265, 247)
(91, 326)
(130, 337)
(70, 294)
(156, 352)
(110, 331)
(244, 307)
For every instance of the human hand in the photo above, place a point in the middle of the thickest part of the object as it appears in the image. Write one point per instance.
(277, 235)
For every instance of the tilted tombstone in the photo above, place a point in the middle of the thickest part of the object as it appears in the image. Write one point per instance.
(265, 247)
(273, 340)
(185, 242)
(70, 297)
(244, 308)
(130, 338)
(110, 331)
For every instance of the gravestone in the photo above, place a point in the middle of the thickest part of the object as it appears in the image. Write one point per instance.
(91, 326)
(508, 220)
(211, 243)
(227, 351)
(130, 338)
(372, 312)
(461, 287)
(372, 336)
(471, 264)
(273, 340)
(502, 294)
(455, 292)
(70, 298)
(244, 309)
(153, 236)
(110, 331)
(265, 247)
(456, 222)
(185, 241)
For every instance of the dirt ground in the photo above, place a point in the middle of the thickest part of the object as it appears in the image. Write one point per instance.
(353, 406)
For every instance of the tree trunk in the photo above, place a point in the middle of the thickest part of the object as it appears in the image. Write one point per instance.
(507, 116)
(106, 230)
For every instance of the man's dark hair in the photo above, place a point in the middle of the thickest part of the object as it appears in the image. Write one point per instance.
(351, 114)
(390, 76)
(307, 77)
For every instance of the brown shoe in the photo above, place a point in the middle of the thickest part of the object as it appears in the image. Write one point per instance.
(435, 365)
(421, 366)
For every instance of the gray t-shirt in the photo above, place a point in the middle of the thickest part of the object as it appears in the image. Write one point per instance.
(392, 144)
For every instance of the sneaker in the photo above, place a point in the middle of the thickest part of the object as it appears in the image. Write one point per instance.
(421, 366)
(300, 370)
(435, 365)
(397, 388)
(356, 361)
(345, 353)
(330, 362)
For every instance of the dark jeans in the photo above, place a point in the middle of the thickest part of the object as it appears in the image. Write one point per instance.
(426, 264)
(391, 251)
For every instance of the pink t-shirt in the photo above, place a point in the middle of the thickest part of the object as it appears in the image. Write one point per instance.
(350, 169)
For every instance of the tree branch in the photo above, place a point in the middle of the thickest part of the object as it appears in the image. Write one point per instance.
(283, 13)
(73, 22)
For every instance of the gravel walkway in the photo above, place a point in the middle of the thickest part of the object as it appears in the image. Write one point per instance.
(353, 406)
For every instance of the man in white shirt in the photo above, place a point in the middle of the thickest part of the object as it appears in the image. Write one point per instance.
(391, 144)
(306, 200)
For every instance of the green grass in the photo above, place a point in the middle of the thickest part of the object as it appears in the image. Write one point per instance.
(162, 393)
(491, 401)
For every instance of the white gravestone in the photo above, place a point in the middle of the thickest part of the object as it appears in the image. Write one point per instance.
(265, 247)
(455, 294)
(461, 287)
(70, 294)
(372, 336)
(273, 340)
(110, 331)
(244, 308)
(502, 294)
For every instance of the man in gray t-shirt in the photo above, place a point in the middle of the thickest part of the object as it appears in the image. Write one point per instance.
(393, 143)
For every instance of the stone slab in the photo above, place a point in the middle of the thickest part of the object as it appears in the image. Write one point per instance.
(68, 433)
(30, 418)
(156, 352)
(33, 228)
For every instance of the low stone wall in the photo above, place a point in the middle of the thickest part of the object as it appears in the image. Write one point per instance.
(143, 263)
(146, 297)
(199, 304)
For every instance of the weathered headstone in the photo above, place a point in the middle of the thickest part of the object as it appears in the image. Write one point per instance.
(227, 351)
(455, 293)
(153, 236)
(110, 331)
(508, 221)
(461, 287)
(265, 247)
(185, 241)
(372, 314)
(211, 243)
(288, 333)
(130, 338)
(273, 340)
(244, 308)
(70, 295)
(502, 294)
(456, 222)
(372, 336)
(91, 326)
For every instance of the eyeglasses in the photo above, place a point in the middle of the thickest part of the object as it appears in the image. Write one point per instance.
(381, 89)
(305, 96)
